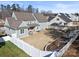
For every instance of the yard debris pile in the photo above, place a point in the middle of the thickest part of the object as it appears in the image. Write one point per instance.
(73, 51)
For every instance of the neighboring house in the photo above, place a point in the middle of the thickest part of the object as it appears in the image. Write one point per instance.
(20, 24)
(23, 24)
(61, 19)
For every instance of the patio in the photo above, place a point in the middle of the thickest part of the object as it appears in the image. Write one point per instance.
(38, 39)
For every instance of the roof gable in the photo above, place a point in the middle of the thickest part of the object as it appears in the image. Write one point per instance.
(65, 18)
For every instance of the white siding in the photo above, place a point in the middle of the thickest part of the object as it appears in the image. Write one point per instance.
(24, 24)
(57, 21)
(23, 34)
(9, 31)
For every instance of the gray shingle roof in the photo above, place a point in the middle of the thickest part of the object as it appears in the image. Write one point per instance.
(24, 16)
(67, 15)
(16, 23)
(51, 17)
(41, 17)
(6, 13)
(65, 18)
(13, 23)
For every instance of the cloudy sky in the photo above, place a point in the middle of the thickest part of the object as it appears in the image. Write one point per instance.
(55, 6)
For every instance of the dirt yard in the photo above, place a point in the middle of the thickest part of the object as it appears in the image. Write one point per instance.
(38, 39)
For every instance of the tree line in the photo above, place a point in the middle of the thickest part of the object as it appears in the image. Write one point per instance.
(16, 7)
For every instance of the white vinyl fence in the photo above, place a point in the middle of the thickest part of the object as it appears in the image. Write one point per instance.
(30, 50)
(6, 38)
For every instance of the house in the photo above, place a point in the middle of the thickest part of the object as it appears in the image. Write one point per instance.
(42, 21)
(20, 24)
(24, 24)
(61, 19)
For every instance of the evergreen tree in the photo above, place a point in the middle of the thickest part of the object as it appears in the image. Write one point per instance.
(2, 7)
(8, 7)
(14, 7)
(30, 8)
(18, 7)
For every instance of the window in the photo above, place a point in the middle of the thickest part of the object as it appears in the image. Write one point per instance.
(57, 18)
(22, 31)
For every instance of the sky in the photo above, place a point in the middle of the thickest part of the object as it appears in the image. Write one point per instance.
(54, 6)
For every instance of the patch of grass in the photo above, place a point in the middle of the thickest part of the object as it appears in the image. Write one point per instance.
(11, 50)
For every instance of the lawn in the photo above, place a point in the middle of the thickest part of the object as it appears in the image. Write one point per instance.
(11, 50)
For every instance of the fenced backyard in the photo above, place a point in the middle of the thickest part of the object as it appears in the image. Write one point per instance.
(35, 52)
(32, 51)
